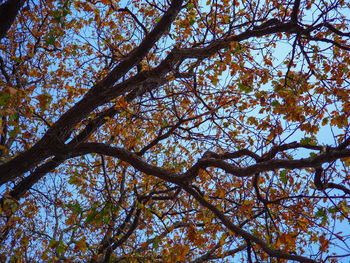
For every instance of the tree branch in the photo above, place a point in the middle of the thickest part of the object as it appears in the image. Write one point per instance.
(8, 13)
(246, 235)
(295, 11)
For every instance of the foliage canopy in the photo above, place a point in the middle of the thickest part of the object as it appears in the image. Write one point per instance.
(174, 131)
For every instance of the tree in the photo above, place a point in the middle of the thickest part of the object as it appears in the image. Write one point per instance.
(174, 131)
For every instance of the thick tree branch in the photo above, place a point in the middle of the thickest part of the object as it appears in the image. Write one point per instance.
(295, 11)
(128, 157)
(269, 165)
(8, 13)
(22, 187)
(210, 255)
(320, 185)
(209, 159)
(336, 31)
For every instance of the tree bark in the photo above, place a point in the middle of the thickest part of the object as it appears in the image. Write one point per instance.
(8, 13)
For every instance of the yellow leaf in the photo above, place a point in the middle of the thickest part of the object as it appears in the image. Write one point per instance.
(222, 239)
(121, 104)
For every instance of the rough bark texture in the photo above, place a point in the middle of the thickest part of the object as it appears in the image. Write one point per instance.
(8, 13)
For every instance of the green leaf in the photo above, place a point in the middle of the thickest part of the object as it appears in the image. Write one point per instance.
(324, 121)
(50, 40)
(14, 132)
(53, 243)
(156, 242)
(12, 204)
(332, 209)
(312, 154)
(76, 208)
(60, 248)
(283, 176)
(308, 141)
(192, 21)
(106, 218)
(91, 217)
(190, 6)
(4, 98)
(245, 88)
(275, 103)
(321, 212)
(325, 219)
